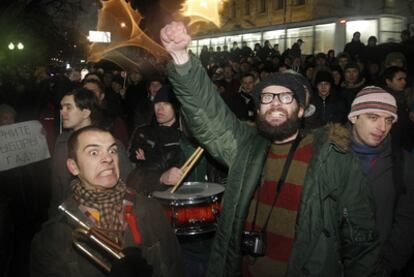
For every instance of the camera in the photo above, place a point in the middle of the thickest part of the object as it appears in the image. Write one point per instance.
(253, 244)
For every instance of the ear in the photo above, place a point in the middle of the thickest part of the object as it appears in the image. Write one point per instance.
(301, 111)
(86, 113)
(353, 119)
(72, 167)
(387, 82)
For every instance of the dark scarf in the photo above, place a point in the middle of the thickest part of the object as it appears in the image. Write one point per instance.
(108, 202)
(367, 155)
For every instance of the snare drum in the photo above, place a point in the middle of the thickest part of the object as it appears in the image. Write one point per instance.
(193, 209)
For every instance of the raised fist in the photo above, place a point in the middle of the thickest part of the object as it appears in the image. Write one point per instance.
(175, 39)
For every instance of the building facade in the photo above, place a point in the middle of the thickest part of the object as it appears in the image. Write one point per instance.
(322, 24)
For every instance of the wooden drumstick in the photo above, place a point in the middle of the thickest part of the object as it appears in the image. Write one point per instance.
(188, 165)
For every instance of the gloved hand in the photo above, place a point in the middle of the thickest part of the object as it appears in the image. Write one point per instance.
(133, 264)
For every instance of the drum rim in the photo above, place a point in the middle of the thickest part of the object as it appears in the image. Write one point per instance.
(190, 200)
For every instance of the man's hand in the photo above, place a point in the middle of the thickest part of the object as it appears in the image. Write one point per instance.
(175, 39)
(139, 154)
(171, 176)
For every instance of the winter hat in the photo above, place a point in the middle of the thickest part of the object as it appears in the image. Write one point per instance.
(293, 81)
(323, 76)
(373, 99)
(165, 94)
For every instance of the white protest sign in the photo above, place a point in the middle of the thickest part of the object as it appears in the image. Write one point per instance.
(22, 143)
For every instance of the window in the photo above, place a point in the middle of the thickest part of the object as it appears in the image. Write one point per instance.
(247, 7)
(261, 6)
(390, 29)
(324, 37)
(367, 28)
(349, 3)
(304, 33)
(233, 10)
(278, 4)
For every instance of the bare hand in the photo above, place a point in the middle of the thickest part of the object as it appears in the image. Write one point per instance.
(139, 154)
(175, 39)
(171, 176)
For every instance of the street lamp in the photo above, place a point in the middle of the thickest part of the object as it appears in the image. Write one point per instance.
(12, 46)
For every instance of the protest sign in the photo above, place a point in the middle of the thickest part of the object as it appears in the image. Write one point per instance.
(21, 144)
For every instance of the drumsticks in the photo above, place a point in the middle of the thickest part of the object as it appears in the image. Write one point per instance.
(188, 165)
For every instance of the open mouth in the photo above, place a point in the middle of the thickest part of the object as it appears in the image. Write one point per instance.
(107, 172)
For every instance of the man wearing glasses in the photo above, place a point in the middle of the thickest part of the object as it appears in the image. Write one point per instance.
(295, 203)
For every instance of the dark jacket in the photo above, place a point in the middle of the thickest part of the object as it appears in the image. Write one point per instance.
(53, 253)
(394, 203)
(332, 109)
(335, 232)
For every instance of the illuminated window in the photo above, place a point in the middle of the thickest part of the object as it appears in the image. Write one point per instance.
(261, 8)
(252, 38)
(304, 33)
(324, 37)
(247, 7)
(276, 37)
(367, 28)
(390, 29)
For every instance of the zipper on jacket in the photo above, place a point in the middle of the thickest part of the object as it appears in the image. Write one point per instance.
(346, 216)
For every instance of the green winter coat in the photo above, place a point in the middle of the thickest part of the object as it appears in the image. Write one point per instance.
(335, 231)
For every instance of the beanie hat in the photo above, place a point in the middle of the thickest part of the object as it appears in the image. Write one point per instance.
(374, 99)
(351, 65)
(297, 83)
(323, 76)
(165, 94)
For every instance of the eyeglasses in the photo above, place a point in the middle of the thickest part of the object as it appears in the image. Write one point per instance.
(284, 97)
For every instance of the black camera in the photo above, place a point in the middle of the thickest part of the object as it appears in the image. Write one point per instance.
(253, 244)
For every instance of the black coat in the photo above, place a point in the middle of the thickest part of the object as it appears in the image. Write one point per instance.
(53, 254)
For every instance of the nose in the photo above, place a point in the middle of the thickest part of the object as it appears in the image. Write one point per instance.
(382, 125)
(107, 157)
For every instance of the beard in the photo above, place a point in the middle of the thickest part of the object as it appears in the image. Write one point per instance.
(280, 132)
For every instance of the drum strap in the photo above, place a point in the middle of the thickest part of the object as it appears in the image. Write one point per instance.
(280, 183)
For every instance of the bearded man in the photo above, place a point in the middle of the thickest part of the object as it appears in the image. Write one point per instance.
(295, 204)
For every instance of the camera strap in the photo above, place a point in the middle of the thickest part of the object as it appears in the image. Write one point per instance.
(280, 183)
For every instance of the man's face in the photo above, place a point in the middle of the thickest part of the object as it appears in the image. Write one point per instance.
(95, 88)
(397, 83)
(371, 128)
(228, 73)
(324, 88)
(248, 84)
(164, 112)
(351, 75)
(276, 113)
(75, 76)
(135, 76)
(72, 116)
(276, 120)
(7, 119)
(96, 164)
(342, 61)
(154, 87)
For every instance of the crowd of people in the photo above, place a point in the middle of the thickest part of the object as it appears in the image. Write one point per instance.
(315, 153)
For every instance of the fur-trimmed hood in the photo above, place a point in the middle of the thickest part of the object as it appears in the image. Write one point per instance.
(336, 134)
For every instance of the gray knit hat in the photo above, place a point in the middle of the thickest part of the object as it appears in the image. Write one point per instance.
(374, 99)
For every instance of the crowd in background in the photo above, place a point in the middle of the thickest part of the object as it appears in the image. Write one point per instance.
(128, 104)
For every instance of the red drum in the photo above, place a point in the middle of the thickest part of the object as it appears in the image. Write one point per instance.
(194, 208)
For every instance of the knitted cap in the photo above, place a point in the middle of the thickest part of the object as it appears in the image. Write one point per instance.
(297, 83)
(165, 94)
(323, 76)
(373, 99)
